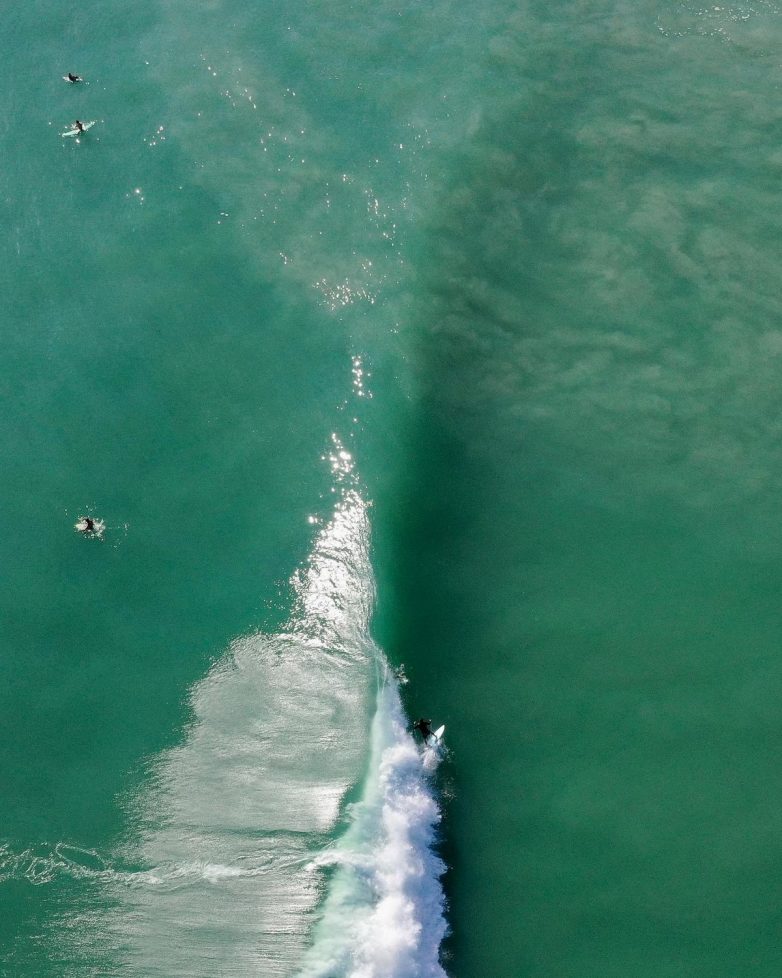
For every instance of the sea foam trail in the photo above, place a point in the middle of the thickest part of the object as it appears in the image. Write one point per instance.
(384, 913)
(254, 791)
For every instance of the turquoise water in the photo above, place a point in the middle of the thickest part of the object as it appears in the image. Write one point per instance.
(444, 338)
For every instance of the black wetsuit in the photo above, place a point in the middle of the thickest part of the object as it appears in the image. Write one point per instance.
(424, 727)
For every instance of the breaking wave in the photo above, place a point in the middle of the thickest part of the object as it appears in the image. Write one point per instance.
(384, 913)
(278, 838)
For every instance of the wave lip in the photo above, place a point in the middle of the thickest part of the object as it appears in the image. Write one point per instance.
(383, 916)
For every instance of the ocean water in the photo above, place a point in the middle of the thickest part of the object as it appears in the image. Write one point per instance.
(420, 360)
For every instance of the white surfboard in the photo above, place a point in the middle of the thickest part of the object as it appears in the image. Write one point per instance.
(78, 132)
(436, 737)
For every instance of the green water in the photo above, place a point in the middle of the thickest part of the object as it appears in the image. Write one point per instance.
(545, 237)
(587, 547)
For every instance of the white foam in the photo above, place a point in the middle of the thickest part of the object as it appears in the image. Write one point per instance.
(383, 916)
(47, 863)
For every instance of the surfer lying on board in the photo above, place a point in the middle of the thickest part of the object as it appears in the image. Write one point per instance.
(78, 125)
(424, 727)
(73, 78)
(90, 526)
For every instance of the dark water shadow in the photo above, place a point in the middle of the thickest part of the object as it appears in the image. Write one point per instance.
(453, 543)
(516, 569)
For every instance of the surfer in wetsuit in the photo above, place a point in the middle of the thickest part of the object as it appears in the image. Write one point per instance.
(78, 125)
(73, 78)
(424, 727)
(89, 524)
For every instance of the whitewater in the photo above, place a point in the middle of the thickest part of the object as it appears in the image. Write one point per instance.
(383, 915)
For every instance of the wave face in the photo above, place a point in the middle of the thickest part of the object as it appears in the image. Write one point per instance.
(383, 917)
(245, 857)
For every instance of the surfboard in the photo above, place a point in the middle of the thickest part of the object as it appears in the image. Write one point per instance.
(436, 737)
(78, 132)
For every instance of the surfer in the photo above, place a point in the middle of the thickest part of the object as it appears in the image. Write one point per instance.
(78, 125)
(86, 524)
(73, 78)
(424, 727)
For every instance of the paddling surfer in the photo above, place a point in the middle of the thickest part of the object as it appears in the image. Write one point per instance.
(73, 78)
(78, 125)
